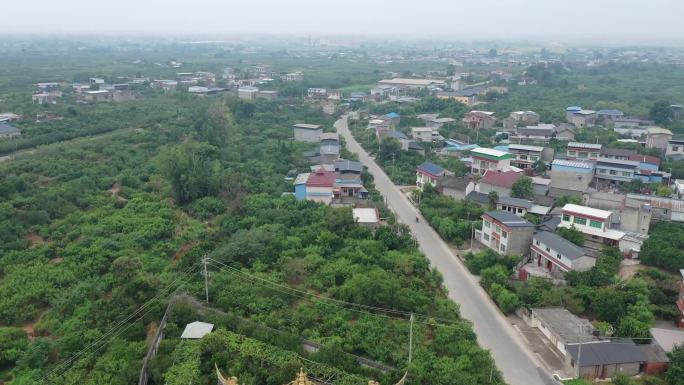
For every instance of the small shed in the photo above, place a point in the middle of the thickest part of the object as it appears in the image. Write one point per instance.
(196, 330)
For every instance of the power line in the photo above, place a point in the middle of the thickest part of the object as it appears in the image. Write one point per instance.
(113, 332)
(285, 289)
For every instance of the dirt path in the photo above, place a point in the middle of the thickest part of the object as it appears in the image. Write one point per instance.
(35, 239)
(627, 270)
(183, 250)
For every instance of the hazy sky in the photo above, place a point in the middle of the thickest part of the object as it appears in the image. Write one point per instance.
(636, 20)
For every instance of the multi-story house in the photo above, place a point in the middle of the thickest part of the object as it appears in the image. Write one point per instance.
(675, 149)
(320, 186)
(557, 254)
(593, 223)
(479, 119)
(317, 93)
(248, 92)
(307, 132)
(617, 153)
(430, 173)
(615, 170)
(517, 206)
(489, 159)
(525, 156)
(657, 137)
(506, 233)
(584, 118)
(583, 151)
(541, 133)
(525, 118)
(422, 134)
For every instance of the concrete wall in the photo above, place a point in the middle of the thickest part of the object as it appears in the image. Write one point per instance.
(487, 188)
(519, 242)
(306, 135)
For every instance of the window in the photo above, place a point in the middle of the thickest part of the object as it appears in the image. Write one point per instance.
(675, 148)
(596, 224)
(523, 157)
(613, 172)
(594, 154)
(486, 237)
(536, 243)
(580, 221)
(520, 211)
(486, 224)
(558, 256)
(504, 234)
(548, 249)
(571, 153)
(566, 217)
(503, 248)
(626, 173)
(583, 155)
(534, 158)
(602, 171)
(498, 229)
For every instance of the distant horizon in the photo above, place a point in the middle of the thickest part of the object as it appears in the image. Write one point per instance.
(624, 22)
(560, 41)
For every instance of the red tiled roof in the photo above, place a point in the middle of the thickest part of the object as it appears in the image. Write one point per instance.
(645, 159)
(321, 179)
(501, 178)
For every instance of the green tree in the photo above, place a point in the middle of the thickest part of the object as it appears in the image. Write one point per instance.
(675, 373)
(663, 191)
(192, 169)
(565, 199)
(390, 147)
(660, 112)
(495, 274)
(12, 343)
(493, 199)
(522, 188)
(571, 234)
(539, 166)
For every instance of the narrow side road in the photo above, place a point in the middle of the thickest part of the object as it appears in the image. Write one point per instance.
(494, 332)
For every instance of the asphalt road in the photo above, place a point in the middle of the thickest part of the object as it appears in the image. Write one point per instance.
(494, 331)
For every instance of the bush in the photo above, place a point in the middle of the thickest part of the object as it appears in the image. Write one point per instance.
(487, 258)
(496, 274)
(207, 207)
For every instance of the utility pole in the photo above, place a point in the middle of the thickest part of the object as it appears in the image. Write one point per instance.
(394, 157)
(410, 340)
(491, 371)
(206, 280)
(579, 350)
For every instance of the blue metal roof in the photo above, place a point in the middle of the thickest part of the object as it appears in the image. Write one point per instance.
(431, 168)
(392, 115)
(574, 108)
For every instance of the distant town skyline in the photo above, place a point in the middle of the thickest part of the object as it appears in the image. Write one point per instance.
(610, 21)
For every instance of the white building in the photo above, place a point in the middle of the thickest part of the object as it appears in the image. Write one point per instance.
(248, 92)
(422, 134)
